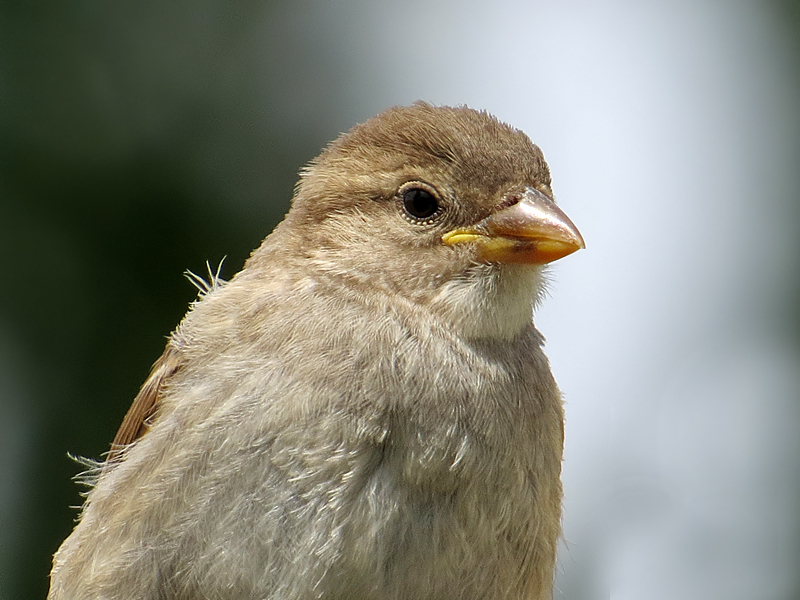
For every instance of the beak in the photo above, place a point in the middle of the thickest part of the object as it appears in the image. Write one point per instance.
(531, 231)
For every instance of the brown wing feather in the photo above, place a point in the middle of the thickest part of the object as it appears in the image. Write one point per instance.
(134, 425)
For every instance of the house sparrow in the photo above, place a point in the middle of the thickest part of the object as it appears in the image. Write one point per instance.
(365, 410)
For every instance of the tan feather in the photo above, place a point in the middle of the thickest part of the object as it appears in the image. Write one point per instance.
(144, 406)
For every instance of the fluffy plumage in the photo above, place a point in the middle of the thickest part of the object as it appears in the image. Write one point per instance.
(365, 410)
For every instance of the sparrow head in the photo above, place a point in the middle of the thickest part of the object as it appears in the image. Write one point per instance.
(444, 206)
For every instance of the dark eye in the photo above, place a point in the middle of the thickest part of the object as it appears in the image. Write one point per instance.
(420, 204)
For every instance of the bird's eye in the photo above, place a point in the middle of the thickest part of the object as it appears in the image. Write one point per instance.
(420, 204)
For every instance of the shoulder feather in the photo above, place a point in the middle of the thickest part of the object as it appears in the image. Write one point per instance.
(144, 406)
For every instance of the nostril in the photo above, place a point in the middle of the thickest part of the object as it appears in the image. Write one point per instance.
(509, 200)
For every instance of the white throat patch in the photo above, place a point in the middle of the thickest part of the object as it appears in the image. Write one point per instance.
(491, 301)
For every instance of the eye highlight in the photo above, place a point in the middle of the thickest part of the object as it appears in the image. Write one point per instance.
(420, 203)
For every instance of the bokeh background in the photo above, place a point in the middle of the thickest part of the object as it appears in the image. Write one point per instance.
(140, 139)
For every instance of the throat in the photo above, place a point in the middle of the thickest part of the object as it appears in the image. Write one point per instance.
(491, 301)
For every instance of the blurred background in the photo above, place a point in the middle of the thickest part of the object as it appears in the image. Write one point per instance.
(141, 139)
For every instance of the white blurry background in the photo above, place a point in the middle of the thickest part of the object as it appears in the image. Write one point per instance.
(671, 129)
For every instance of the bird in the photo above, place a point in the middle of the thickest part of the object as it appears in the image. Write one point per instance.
(365, 410)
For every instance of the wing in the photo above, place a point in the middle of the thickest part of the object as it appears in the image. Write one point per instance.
(134, 425)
